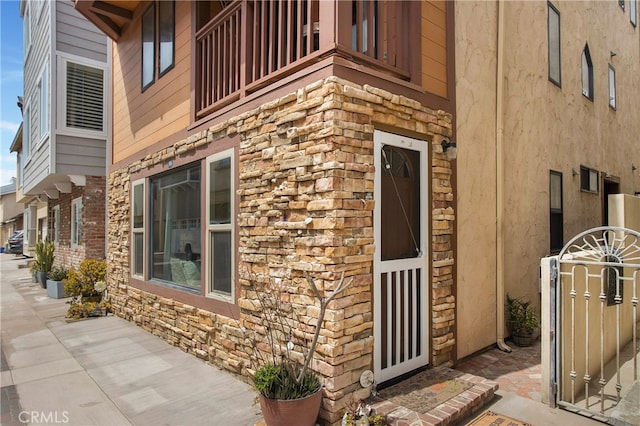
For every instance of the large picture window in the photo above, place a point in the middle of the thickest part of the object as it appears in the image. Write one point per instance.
(76, 222)
(137, 228)
(220, 211)
(175, 228)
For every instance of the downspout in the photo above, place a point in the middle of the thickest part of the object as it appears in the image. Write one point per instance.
(500, 184)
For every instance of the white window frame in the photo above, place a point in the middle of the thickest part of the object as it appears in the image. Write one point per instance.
(56, 224)
(26, 134)
(612, 87)
(139, 230)
(76, 237)
(211, 228)
(26, 30)
(43, 105)
(63, 61)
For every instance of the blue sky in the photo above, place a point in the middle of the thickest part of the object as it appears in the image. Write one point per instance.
(10, 84)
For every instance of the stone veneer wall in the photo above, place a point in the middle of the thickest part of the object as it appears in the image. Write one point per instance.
(306, 155)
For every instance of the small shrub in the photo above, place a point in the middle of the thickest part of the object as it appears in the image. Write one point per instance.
(58, 273)
(81, 285)
(81, 282)
(44, 255)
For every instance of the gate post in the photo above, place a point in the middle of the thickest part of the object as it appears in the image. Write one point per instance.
(548, 283)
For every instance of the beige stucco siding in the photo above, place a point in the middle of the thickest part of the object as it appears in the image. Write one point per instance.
(546, 127)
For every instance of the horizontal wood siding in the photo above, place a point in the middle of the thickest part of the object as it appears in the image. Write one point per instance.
(37, 160)
(81, 156)
(76, 35)
(141, 119)
(434, 47)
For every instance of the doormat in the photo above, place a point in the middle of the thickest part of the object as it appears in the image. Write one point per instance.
(423, 392)
(489, 418)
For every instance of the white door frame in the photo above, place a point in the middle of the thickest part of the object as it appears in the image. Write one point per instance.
(404, 269)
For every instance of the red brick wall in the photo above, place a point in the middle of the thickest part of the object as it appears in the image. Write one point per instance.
(93, 207)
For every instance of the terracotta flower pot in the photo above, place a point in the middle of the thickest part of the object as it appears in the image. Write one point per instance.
(286, 412)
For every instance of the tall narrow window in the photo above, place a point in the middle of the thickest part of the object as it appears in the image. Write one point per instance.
(553, 36)
(158, 41)
(166, 29)
(137, 228)
(555, 211)
(148, 46)
(612, 87)
(76, 222)
(175, 228)
(44, 104)
(219, 224)
(587, 73)
(633, 12)
(55, 225)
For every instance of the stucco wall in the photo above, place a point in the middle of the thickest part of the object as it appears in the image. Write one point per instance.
(546, 127)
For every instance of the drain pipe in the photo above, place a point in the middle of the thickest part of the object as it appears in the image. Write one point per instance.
(500, 184)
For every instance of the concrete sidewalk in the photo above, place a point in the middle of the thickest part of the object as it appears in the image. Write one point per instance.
(102, 371)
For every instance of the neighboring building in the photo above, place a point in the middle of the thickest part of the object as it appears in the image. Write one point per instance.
(10, 212)
(548, 125)
(66, 133)
(247, 151)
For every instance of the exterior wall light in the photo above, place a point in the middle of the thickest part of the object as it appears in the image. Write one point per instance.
(450, 148)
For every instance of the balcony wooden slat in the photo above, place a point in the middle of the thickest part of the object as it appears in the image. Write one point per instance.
(252, 43)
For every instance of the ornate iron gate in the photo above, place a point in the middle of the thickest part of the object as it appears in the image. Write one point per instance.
(596, 301)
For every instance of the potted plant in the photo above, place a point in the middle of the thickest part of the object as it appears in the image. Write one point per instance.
(55, 284)
(523, 321)
(288, 391)
(44, 260)
(86, 285)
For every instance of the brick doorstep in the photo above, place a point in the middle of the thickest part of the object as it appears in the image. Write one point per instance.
(458, 408)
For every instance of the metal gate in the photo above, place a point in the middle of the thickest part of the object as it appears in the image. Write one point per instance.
(596, 321)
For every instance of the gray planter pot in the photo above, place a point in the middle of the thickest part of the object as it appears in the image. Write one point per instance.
(55, 289)
(42, 279)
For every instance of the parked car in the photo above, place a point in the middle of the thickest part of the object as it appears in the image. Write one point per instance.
(15, 242)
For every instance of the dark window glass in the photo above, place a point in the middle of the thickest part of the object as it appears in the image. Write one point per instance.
(148, 46)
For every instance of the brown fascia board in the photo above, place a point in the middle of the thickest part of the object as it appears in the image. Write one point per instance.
(88, 8)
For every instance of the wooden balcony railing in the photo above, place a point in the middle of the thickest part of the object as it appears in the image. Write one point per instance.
(251, 43)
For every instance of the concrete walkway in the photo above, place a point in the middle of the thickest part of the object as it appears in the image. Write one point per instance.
(102, 371)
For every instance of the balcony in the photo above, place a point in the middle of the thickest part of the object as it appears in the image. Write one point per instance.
(247, 45)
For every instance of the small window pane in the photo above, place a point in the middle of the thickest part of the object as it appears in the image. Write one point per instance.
(220, 192)
(221, 261)
(633, 12)
(138, 252)
(148, 46)
(555, 191)
(167, 34)
(612, 87)
(138, 206)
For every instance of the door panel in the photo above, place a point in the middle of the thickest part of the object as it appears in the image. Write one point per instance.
(400, 279)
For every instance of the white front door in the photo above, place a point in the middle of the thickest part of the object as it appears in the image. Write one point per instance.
(401, 262)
